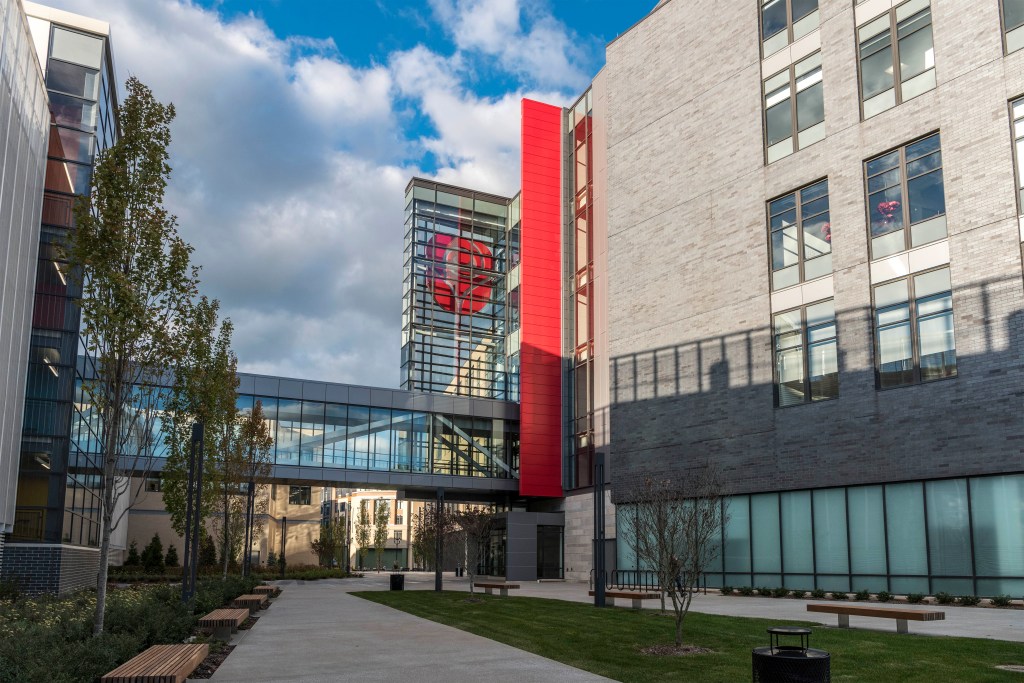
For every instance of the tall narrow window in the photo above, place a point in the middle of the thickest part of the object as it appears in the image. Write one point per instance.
(794, 108)
(1018, 140)
(806, 359)
(1013, 24)
(897, 60)
(905, 189)
(914, 329)
(783, 21)
(801, 235)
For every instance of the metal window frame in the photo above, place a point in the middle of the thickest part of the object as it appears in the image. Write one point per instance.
(904, 193)
(1005, 30)
(1018, 163)
(804, 353)
(894, 38)
(788, 29)
(912, 321)
(801, 260)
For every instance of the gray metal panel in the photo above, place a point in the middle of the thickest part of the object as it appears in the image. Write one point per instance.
(442, 404)
(380, 398)
(246, 384)
(314, 391)
(481, 408)
(421, 402)
(290, 388)
(462, 406)
(359, 396)
(266, 386)
(403, 400)
(337, 393)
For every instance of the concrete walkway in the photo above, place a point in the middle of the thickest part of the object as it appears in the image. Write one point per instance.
(317, 632)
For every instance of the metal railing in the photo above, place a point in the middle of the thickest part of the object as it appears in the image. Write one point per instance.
(639, 579)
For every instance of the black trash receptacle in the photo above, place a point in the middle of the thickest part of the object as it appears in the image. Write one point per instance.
(398, 582)
(790, 664)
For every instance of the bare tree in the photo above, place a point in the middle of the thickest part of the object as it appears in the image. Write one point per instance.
(475, 524)
(674, 528)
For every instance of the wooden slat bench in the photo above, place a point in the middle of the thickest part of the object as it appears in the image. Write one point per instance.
(252, 602)
(160, 664)
(489, 587)
(264, 590)
(637, 597)
(902, 616)
(224, 622)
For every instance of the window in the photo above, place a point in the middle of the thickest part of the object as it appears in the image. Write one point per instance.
(1013, 24)
(153, 485)
(894, 71)
(914, 329)
(801, 236)
(794, 122)
(783, 21)
(904, 188)
(299, 495)
(1018, 136)
(806, 338)
(398, 535)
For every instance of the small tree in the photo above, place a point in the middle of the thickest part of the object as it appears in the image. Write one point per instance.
(330, 543)
(674, 529)
(381, 515)
(153, 556)
(363, 532)
(133, 559)
(171, 559)
(426, 530)
(136, 282)
(475, 524)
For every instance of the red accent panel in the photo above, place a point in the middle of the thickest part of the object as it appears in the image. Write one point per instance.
(540, 356)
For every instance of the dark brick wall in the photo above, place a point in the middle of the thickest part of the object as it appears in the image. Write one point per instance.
(39, 568)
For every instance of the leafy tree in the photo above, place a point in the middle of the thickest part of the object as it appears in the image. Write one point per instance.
(475, 526)
(254, 445)
(426, 527)
(136, 281)
(381, 514)
(153, 556)
(673, 528)
(330, 543)
(171, 559)
(363, 532)
(133, 559)
(205, 381)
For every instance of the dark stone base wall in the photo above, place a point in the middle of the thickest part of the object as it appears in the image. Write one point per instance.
(40, 568)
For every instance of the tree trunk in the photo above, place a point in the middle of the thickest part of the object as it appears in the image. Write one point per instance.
(227, 519)
(109, 467)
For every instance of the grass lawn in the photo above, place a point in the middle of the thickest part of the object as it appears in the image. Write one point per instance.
(607, 641)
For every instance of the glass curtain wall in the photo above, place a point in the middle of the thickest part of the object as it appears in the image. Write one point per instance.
(453, 321)
(58, 487)
(579, 471)
(963, 536)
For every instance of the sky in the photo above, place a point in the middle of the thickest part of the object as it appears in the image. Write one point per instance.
(299, 124)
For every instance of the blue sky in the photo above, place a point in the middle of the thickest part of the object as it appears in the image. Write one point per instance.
(299, 125)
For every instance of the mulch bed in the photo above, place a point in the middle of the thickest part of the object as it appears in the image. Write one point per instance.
(210, 664)
(248, 623)
(674, 650)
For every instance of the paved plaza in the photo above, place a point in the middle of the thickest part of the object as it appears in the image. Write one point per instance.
(316, 631)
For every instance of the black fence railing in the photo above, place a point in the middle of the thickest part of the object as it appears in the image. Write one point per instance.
(638, 579)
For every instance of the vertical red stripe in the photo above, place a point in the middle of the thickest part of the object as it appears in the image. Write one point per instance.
(540, 358)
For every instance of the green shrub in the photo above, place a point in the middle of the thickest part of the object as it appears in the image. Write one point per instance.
(968, 600)
(798, 593)
(780, 592)
(207, 552)
(1001, 600)
(171, 559)
(862, 595)
(944, 598)
(133, 555)
(726, 590)
(745, 590)
(764, 591)
(818, 594)
(915, 598)
(153, 556)
(840, 595)
(884, 596)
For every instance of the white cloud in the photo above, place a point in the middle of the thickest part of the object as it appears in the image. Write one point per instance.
(289, 170)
